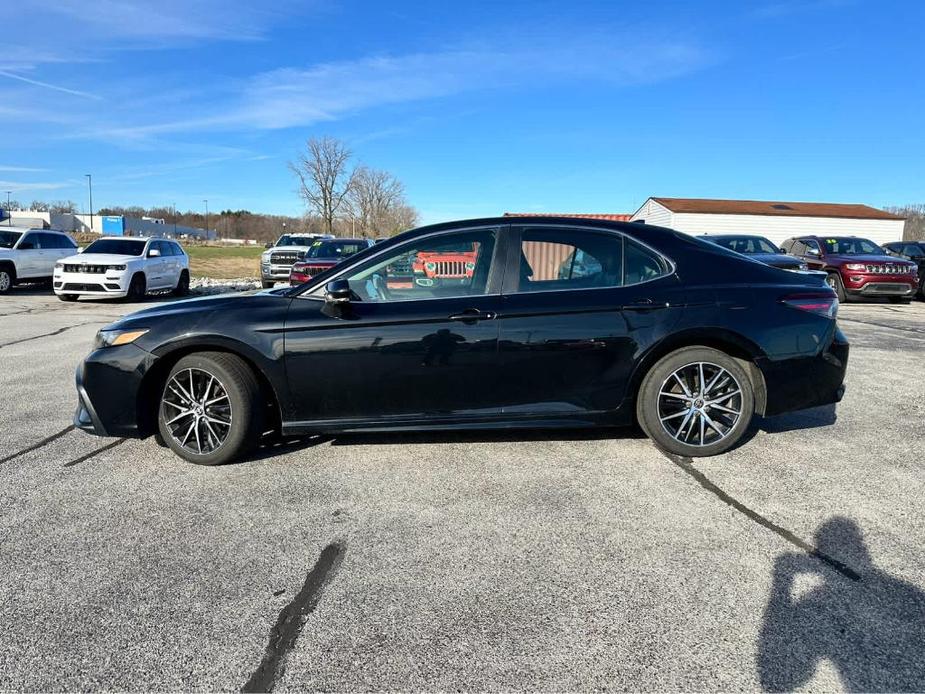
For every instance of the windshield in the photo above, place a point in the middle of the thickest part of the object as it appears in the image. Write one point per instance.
(852, 246)
(117, 247)
(746, 244)
(9, 238)
(334, 249)
(295, 241)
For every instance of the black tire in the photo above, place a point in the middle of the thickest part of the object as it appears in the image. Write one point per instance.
(652, 401)
(68, 297)
(7, 278)
(244, 408)
(922, 286)
(267, 285)
(182, 288)
(137, 288)
(900, 299)
(835, 282)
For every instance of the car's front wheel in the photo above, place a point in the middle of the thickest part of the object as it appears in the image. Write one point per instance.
(7, 277)
(696, 401)
(68, 297)
(267, 285)
(210, 408)
(137, 288)
(835, 282)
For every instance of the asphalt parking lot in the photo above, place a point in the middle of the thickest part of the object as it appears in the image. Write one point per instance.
(480, 561)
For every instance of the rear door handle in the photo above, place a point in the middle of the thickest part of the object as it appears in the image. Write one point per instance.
(643, 305)
(473, 315)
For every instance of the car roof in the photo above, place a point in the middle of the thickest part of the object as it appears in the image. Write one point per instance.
(734, 236)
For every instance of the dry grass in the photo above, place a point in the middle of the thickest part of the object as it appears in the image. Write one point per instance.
(224, 262)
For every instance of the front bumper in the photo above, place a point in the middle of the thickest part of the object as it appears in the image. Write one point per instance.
(109, 391)
(277, 273)
(802, 382)
(862, 284)
(114, 283)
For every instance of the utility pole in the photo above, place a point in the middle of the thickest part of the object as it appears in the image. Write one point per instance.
(207, 219)
(175, 220)
(9, 212)
(90, 186)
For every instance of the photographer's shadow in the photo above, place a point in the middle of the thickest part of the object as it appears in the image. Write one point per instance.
(872, 630)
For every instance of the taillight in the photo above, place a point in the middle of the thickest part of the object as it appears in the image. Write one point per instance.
(820, 304)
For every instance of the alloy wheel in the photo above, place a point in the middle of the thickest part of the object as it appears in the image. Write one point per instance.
(699, 404)
(4, 280)
(197, 411)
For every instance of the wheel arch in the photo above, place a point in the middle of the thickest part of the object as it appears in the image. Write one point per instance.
(152, 382)
(732, 343)
(8, 264)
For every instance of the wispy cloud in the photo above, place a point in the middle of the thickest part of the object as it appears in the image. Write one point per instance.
(290, 97)
(46, 85)
(20, 169)
(21, 186)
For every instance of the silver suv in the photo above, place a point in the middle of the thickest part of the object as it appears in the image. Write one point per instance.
(278, 259)
(29, 255)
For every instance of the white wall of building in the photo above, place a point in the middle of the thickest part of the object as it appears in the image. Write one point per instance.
(776, 228)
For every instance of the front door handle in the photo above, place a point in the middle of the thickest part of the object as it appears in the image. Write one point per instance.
(473, 315)
(645, 304)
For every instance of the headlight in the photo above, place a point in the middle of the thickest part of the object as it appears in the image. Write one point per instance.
(431, 266)
(804, 266)
(115, 267)
(856, 266)
(470, 266)
(114, 338)
(59, 266)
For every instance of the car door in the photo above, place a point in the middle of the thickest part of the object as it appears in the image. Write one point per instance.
(412, 344)
(29, 255)
(155, 268)
(812, 253)
(575, 304)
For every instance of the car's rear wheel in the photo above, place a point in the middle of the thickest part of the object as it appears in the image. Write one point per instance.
(696, 401)
(182, 288)
(137, 288)
(7, 277)
(835, 282)
(210, 408)
(68, 297)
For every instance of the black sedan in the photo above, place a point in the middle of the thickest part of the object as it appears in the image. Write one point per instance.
(554, 322)
(757, 248)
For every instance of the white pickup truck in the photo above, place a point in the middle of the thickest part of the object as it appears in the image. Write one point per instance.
(29, 255)
(277, 261)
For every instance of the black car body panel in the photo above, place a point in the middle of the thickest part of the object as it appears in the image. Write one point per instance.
(551, 358)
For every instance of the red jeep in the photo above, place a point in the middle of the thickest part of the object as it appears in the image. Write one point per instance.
(446, 267)
(856, 267)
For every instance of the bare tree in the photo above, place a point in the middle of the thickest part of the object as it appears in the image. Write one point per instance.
(38, 206)
(324, 178)
(914, 229)
(372, 198)
(62, 206)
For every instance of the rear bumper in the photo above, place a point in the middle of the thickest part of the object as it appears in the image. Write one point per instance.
(802, 382)
(108, 387)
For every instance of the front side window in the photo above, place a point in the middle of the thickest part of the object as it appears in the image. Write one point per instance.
(810, 245)
(443, 266)
(557, 259)
(116, 247)
(747, 245)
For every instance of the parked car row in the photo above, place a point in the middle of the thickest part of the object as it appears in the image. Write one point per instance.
(853, 266)
(110, 267)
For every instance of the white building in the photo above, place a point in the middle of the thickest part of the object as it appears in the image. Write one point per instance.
(777, 221)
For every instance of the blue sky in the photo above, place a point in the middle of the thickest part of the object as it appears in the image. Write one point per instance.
(478, 107)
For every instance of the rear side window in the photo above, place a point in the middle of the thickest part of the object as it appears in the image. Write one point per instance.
(642, 264)
(177, 249)
(554, 259)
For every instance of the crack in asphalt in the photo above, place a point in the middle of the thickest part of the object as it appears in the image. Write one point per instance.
(687, 465)
(51, 334)
(292, 619)
(76, 461)
(38, 445)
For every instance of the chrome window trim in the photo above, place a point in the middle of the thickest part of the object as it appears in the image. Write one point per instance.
(496, 227)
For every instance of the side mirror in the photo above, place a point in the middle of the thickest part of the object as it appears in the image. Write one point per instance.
(337, 292)
(154, 253)
(80, 249)
(268, 244)
(813, 252)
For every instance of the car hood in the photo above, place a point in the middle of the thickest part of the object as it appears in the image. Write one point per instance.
(99, 259)
(221, 302)
(298, 249)
(876, 259)
(310, 261)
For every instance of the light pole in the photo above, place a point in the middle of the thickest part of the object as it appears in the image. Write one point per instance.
(207, 219)
(90, 188)
(175, 220)
(9, 213)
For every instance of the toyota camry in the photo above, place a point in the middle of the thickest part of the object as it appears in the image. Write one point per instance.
(547, 322)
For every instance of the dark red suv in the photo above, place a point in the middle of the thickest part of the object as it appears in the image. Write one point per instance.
(856, 267)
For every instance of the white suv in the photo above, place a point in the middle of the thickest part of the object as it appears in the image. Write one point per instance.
(30, 254)
(118, 266)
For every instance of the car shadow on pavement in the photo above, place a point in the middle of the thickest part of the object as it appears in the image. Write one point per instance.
(872, 630)
(485, 436)
(812, 418)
